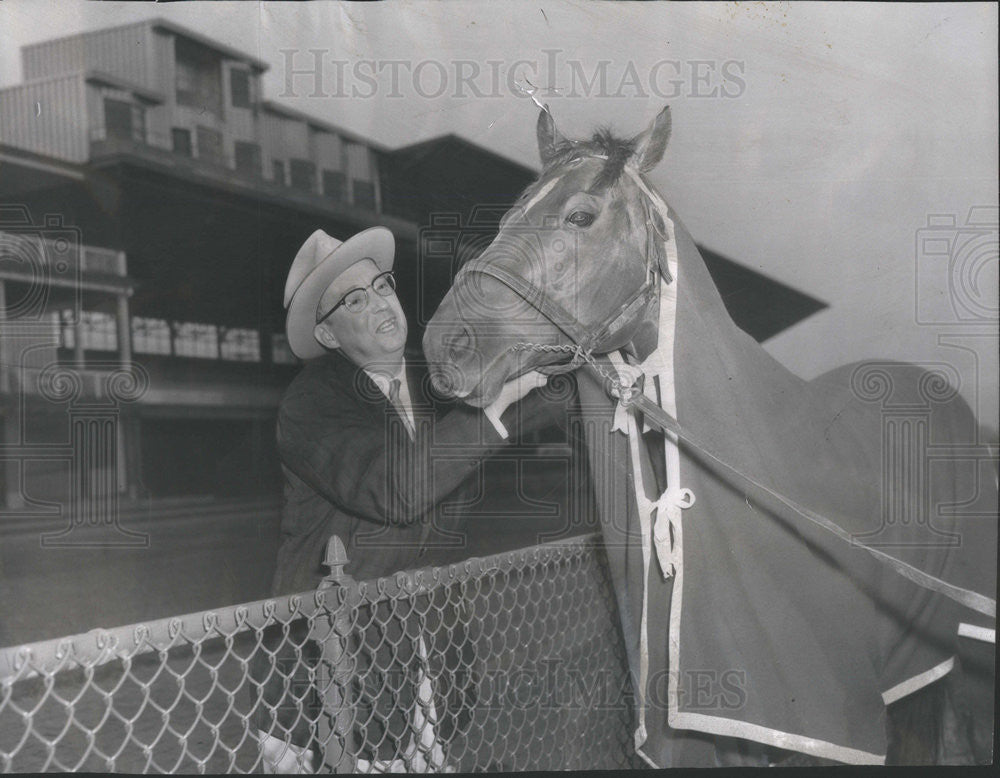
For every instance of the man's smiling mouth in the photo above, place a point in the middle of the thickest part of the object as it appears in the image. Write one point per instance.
(387, 326)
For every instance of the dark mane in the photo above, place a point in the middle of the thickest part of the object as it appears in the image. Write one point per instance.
(604, 143)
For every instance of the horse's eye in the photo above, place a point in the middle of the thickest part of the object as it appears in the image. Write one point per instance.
(580, 219)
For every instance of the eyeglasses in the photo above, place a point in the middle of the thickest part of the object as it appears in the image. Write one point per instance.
(356, 300)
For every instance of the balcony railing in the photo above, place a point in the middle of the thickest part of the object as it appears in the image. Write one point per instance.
(51, 251)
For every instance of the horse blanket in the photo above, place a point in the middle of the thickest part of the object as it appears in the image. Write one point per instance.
(747, 630)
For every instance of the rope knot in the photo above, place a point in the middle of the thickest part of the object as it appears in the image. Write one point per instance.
(626, 386)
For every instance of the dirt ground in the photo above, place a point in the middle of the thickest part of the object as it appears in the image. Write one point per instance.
(207, 554)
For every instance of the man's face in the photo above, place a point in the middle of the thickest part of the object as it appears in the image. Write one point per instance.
(375, 336)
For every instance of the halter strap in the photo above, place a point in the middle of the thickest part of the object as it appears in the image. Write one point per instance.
(532, 295)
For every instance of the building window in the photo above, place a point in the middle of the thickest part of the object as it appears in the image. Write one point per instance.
(278, 168)
(150, 336)
(335, 185)
(240, 345)
(248, 158)
(239, 88)
(303, 175)
(364, 194)
(196, 340)
(199, 76)
(210, 146)
(124, 121)
(99, 331)
(182, 141)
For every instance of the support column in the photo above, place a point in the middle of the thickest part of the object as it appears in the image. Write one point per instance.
(4, 361)
(10, 439)
(126, 458)
(124, 323)
(10, 421)
(78, 340)
(133, 455)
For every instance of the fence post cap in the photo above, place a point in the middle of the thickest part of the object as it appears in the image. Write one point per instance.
(336, 558)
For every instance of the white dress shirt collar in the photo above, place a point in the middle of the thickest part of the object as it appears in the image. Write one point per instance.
(383, 382)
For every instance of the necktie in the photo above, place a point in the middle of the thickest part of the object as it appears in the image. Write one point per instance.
(394, 386)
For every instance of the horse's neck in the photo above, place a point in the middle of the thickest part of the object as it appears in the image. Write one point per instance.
(646, 336)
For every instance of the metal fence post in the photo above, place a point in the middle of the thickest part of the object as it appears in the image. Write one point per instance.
(331, 630)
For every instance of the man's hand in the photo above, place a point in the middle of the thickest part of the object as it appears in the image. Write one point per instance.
(512, 392)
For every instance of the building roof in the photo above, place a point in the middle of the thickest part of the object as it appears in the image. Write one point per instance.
(417, 152)
(759, 305)
(25, 171)
(159, 23)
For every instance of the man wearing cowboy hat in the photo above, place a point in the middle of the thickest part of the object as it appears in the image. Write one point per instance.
(346, 472)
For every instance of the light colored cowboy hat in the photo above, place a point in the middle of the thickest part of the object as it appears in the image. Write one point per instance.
(317, 265)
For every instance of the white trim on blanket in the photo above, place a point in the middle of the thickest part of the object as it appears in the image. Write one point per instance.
(717, 725)
(975, 632)
(918, 681)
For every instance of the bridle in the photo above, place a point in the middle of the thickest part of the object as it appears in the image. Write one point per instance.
(586, 340)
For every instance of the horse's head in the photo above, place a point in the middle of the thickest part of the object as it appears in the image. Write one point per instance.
(575, 262)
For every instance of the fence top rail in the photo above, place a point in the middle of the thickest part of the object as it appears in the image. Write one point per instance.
(101, 646)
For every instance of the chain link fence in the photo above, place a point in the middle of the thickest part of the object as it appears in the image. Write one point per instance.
(511, 662)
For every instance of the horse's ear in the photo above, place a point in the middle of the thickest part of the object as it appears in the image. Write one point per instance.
(650, 144)
(548, 136)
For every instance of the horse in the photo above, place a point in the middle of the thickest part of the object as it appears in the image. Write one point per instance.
(780, 579)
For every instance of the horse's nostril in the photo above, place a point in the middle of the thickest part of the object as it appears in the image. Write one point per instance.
(440, 383)
(447, 382)
(459, 345)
